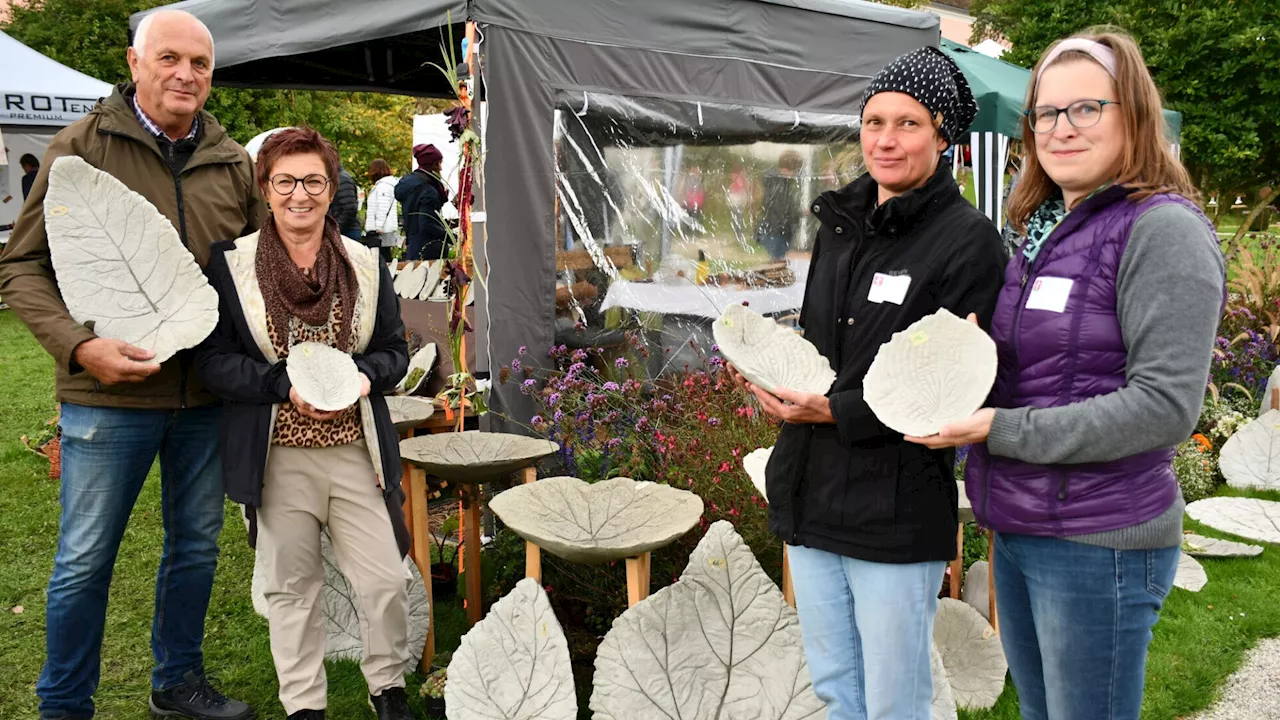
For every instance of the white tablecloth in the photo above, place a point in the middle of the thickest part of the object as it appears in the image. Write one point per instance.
(706, 301)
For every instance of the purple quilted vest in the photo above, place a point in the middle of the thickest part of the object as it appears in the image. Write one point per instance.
(1050, 359)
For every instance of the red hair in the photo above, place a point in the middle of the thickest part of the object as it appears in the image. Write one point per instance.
(297, 141)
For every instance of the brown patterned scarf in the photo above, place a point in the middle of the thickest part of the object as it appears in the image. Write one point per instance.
(288, 291)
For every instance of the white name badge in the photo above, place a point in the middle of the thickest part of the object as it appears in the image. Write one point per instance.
(889, 288)
(1050, 293)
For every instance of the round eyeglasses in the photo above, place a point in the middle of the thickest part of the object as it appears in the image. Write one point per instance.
(1081, 114)
(313, 184)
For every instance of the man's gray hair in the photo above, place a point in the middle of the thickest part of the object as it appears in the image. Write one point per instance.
(144, 27)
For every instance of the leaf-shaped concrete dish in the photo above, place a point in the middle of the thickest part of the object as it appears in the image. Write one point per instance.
(718, 643)
(1251, 457)
(1199, 546)
(944, 702)
(1191, 575)
(431, 280)
(977, 589)
(770, 355)
(971, 653)
(425, 360)
(409, 412)
(476, 457)
(410, 280)
(937, 371)
(755, 463)
(514, 664)
(594, 523)
(324, 376)
(121, 265)
(1247, 517)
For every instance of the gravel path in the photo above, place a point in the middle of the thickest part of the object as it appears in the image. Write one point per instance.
(1253, 692)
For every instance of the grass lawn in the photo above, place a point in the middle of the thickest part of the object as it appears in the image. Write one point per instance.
(1199, 641)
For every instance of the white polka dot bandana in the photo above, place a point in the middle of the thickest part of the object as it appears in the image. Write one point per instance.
(934, 80)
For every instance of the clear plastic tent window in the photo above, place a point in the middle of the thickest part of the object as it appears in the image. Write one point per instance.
(667, 211)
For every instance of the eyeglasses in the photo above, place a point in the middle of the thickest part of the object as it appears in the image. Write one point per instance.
(313, 184)
(1081, 114)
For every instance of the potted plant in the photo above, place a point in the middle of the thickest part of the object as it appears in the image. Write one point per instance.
(444, 572)
(433, 693)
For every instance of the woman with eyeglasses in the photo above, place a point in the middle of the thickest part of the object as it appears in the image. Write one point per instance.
(1105, 328)
(295, 468)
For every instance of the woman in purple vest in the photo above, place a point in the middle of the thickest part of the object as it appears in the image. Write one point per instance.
(1105, 328)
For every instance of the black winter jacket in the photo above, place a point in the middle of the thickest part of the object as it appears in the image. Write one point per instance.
(424, 236)
(231, 365)
(856, 488)
(345, 208)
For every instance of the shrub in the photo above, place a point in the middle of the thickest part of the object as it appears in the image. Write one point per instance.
(1197, 469)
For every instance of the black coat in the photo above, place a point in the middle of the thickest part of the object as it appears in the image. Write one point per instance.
(856, 488)
(345, 207)
(424, 235)
(231, 365)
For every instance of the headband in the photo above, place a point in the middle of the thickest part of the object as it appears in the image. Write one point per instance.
(1105, 56)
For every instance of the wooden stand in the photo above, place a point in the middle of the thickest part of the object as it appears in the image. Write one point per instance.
(414, 482)
(471, 550)
(788, 589)
(991, 580)
(957, 565)
(637, 579)
(532, 553)
(1275, 399)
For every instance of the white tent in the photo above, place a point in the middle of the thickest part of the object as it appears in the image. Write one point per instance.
(38, 97)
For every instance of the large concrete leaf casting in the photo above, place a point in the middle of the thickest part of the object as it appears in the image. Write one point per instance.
(597, 522)
(1200, 546)
(1251, 457)
(341, 606)
(121, 265)
(324, 376)
(971, 653)
(770, 355)
(514, 664)
(944, 702)
(1247, 517)
(409, 412)
(755, 463)
(937, 371)
(475, 457)
(425, 360)
(410, 281)
(1191, 575)
(977, 588)
(1273, 382)
(718, 643)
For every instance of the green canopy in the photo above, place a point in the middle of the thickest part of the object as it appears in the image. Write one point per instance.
(1000, 88)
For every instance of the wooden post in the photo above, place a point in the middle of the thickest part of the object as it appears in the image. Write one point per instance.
(1275, 398)
(788, 589)
(417, 480)
(637, 579)
(406, 482)
(471, 550)
(991, 580)
(957, 565)
(532, 553)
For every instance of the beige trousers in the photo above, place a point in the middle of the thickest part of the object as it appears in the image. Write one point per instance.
(304, 490)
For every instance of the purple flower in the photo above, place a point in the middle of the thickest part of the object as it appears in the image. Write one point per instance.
(554, 399)
(524, 349)
(613, 443)
(558, 416)
(579, 355)
(620, 363)
(528, 386)
(713, 422)
(536, 420)
(715, 348)
(715, 362)
(611, 387)
(515, 366)
(576, 368)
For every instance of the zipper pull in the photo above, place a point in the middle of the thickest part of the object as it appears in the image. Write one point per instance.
(1024, 280)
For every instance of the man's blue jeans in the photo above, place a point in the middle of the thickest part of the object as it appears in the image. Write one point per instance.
(106, 455)
(867, 630)
(1075, 622)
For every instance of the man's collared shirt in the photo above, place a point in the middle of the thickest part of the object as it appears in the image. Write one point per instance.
(154, 129)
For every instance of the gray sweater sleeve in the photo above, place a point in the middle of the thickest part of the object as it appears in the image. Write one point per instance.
(1169, 301)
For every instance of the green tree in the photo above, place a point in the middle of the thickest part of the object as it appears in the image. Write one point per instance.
(1216, 61)
(92, 35)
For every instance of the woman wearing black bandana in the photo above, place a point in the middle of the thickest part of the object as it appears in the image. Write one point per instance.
(870, 520)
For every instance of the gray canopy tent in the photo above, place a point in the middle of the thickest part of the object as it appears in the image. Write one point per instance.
(740, 69)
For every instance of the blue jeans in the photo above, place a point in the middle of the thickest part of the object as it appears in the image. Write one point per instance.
(867, 630)
(1075, 622)
(106, 455)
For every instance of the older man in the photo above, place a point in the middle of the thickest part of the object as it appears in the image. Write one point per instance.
(119, 409)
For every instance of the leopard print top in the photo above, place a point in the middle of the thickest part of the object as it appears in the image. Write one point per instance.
(293, 429)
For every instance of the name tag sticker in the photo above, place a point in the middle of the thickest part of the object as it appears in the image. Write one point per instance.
(1050, 293)
(889, 288)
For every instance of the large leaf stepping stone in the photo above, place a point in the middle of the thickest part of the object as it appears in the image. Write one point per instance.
(971, 653)
(1249, 518)
(718, 643)
(514, 664)
(1191, 575)
(597, 522)
(771, 355)
(474, 457)
(1251, 457)
(1200, 546)
(977, 588)
(944, 702)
